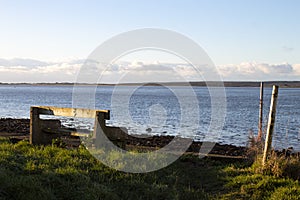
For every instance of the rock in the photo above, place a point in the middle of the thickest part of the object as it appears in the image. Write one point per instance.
(149, 130)
(20, 126)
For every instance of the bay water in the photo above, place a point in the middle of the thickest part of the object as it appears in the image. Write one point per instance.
(158, 110)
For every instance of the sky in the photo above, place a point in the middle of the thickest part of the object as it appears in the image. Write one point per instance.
(48, 41)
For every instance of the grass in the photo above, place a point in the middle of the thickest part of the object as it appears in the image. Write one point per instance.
(51, 172)
(246, 184)
(279, 166)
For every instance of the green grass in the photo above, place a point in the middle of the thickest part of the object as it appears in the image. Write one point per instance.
(50, 172)
(249, 185)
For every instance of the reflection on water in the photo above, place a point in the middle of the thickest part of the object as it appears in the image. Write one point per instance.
(159, 110)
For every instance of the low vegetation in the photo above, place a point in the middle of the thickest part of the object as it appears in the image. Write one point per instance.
(53, 172)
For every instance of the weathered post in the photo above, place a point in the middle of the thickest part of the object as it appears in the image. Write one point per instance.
(271, 124)
(260, 121)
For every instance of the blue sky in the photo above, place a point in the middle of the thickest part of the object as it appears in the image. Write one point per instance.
(233, 32)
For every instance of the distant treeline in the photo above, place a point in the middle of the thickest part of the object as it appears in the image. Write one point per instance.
(282, 84)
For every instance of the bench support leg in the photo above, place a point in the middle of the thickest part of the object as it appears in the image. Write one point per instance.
(35, 126)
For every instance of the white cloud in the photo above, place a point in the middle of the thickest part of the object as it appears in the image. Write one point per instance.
(29, 70)
(22, 62)
(260, 71)
(296, 69)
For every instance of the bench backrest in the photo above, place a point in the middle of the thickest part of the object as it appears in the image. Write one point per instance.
(69, 112)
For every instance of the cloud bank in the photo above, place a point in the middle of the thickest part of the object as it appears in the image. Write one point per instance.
(30, 70)
(260, 71)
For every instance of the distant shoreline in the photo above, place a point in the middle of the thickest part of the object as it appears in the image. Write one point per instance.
(282, 84)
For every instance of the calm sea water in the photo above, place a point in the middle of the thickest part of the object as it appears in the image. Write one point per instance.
(161, 110)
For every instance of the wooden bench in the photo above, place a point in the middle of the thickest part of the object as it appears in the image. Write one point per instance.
(43, 131)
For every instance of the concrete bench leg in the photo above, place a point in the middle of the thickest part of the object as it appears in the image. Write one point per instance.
(37, 135)
(99, 129)
(35, 126)
(115, 134)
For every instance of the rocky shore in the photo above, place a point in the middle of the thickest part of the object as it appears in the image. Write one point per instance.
(14, 126)
(19, 128)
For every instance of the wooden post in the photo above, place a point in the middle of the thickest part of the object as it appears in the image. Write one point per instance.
(271, 124)
(260, 121)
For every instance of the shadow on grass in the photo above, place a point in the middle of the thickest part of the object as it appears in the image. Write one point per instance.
(49, 172)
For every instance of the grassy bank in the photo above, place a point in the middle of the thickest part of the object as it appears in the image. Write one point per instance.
(38, 172)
